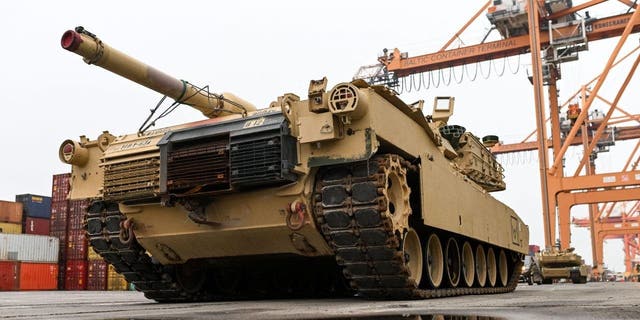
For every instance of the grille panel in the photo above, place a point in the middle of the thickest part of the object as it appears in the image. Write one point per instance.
(240, 154)
(200, 164)
(131, 180)
(258, 162)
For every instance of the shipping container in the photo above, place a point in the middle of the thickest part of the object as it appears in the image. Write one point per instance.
(77, 211)
(92, 254)
(29, 247)
(60, 187)
(116, 281)
(7, 227)
(37, 226)
(9, 275)
(35, 206)
(97, 275)
(76, 245)
(58, 222)
(10, 212)
(38, 276)
(57, 225)
(59, 215)
(76, 275)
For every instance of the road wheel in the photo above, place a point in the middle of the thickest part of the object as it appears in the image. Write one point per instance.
(435, 261)
(503, 268)
(481, 266)
(452, 262)
(412, 255)
(492, 268)
(468, 270)
(191, 276)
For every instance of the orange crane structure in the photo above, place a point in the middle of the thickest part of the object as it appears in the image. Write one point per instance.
(519, 23)
(624, 227)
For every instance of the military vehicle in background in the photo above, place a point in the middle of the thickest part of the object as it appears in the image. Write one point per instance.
(351, 191)
(552, 264)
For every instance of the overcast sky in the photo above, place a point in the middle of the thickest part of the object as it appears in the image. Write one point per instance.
(260, 50)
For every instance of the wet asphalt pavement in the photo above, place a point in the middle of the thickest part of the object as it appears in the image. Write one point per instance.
(560, 301)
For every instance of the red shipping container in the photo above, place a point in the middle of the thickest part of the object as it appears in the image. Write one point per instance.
(36, 226)
(77, 211)
(9, 275)
(77, 245)
(38, 276)
(76, 275)
(97, 275)
(60, 187)
(59, 215)
(10, 212)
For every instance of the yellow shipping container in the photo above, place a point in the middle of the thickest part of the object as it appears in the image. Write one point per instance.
(93, 255)
(115, 281)
(15, 228)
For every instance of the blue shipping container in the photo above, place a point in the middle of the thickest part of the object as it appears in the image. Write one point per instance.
(35, 206)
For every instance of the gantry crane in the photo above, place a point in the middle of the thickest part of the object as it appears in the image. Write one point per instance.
(564, 36)
(604, 225)
(625, 227)
(610, 135)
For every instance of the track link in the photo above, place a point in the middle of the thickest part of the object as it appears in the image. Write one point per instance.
(103, 224)
(352, 210)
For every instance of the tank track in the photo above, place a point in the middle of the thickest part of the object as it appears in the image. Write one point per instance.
(103, 224)
(350, 209)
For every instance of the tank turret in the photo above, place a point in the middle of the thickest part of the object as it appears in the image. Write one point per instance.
(94, 51)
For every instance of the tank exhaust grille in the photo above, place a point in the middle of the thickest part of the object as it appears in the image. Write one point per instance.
(262, 159)
(201, 165)
(132, 180)
(245, 153)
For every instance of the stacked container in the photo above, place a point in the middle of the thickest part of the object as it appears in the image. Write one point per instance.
(115, 281)
(9, 275)
(59, 220)
(10, 217)
(36, 226)
(77, 245)
(36, 213)
(28, 262)
(98, 271)
(97, 274)
(80, 268)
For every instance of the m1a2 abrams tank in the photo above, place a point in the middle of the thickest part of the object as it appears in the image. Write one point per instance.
(561, 264)
(350, 191)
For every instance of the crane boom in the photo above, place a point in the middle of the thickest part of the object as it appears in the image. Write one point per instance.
(596, 29)
(621, 133)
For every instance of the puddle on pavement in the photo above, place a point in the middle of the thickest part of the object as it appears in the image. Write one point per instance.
(386, 317)
(421, 317)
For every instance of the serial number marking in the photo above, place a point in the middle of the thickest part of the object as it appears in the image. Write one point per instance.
(134, 145)
(253, 123)
(155, 132)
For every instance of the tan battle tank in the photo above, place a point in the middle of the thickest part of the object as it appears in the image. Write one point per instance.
(350, 191)
(561, 264)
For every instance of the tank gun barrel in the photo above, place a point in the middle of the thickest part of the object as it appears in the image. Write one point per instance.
(94, 51)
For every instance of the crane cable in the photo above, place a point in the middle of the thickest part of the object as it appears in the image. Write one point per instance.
(439, 77)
